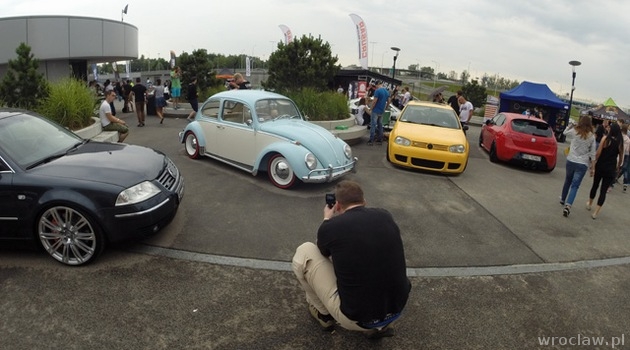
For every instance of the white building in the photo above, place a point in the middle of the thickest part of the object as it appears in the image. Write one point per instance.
(67, 45)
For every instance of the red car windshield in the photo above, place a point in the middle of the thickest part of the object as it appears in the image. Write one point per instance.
(531, 127)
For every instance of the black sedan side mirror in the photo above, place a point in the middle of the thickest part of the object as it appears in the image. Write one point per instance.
(489, 121)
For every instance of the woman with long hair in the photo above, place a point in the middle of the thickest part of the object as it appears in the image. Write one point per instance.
(581, 156)
(608, 161)
(625, 168)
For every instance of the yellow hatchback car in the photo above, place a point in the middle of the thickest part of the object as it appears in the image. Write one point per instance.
(429, 136)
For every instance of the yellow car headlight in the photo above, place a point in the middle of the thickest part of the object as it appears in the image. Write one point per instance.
(399, 140)
(457, 149)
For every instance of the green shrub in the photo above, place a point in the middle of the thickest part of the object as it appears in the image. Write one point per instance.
(319, 106)
(70, 103)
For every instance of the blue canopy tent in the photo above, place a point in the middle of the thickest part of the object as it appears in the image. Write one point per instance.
(529, 95)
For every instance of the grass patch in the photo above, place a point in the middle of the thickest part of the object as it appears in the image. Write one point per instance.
(70, 103)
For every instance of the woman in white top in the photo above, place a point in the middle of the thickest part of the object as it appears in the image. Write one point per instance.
(581, 156)
(363, 113)
(625, 168)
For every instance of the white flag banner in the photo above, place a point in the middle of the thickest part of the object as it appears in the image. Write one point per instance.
(363, 39)
(172, 61)
(115, 69)
(288, 36)
(95, 71)
(248, 68)
(128, 68)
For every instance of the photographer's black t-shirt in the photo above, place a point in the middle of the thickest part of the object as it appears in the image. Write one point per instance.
(369, 262)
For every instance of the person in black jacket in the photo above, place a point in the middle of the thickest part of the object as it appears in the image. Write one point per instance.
(192, 97)
(356, 274)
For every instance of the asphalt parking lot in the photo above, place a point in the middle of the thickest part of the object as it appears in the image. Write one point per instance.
(492, 261)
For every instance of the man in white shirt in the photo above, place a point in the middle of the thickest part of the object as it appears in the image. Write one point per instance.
(109, 121)
(465, 110)
(406, 96)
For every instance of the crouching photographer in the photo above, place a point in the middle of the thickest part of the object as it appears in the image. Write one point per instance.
(355, 275)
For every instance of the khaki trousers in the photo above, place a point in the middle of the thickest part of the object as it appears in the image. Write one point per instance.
(316, 275)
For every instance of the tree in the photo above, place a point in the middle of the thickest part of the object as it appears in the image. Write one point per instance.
(28, 88)
(475, 93)
(427, 72)
(465, 76)
(304, 63)
(196, 64)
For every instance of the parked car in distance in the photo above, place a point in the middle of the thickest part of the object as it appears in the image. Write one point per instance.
(429, 136)
(256, 130)
(75, 196)
(394, 112)
(521, 139)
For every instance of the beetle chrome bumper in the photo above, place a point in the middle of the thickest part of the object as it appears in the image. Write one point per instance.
(331, 173)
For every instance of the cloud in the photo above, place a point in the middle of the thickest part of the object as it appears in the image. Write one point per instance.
(525, 40)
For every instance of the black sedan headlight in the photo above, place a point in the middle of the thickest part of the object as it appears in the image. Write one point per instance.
(138, 193)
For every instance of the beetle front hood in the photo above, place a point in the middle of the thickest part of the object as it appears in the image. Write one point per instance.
(315, 138)
(112, 163)
(310, 135)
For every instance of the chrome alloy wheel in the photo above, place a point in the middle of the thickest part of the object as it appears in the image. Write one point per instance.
(68, 236)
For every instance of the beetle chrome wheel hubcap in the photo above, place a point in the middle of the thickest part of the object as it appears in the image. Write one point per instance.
(282, 170)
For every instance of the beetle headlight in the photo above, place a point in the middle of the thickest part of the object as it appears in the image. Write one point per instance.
(137, 193)
(347, 151)
(457, 149)
(402, 141)
(311, 161)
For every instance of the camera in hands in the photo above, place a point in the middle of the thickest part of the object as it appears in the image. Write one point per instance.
(330, 199)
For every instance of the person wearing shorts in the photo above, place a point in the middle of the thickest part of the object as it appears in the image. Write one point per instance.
(160, 102)
(110, 122)
(176, 86)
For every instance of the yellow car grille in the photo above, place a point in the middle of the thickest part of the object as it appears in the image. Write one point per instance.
(430, 146)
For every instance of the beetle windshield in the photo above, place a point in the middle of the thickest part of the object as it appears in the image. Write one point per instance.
(275, 108)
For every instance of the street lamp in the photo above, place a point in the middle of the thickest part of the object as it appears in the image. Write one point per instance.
(395, 58)
(437, 65)
(566, 119)
(573, 65)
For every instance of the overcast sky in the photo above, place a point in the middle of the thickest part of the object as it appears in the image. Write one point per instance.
(524, 40)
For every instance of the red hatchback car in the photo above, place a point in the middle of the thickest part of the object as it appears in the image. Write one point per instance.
(517, 138)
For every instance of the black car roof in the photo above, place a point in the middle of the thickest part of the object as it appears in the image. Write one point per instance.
(10, 112)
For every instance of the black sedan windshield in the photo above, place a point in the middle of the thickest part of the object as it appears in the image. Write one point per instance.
(29, 140)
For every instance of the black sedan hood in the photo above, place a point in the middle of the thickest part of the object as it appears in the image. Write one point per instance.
(112, 163)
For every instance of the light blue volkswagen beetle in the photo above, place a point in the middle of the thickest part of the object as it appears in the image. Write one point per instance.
(256, 130)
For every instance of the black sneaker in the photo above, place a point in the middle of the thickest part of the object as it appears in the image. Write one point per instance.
(380, 333)
(566, 211)
(370, 143)
(326, 321)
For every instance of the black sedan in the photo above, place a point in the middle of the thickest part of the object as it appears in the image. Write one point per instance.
(75, 196)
